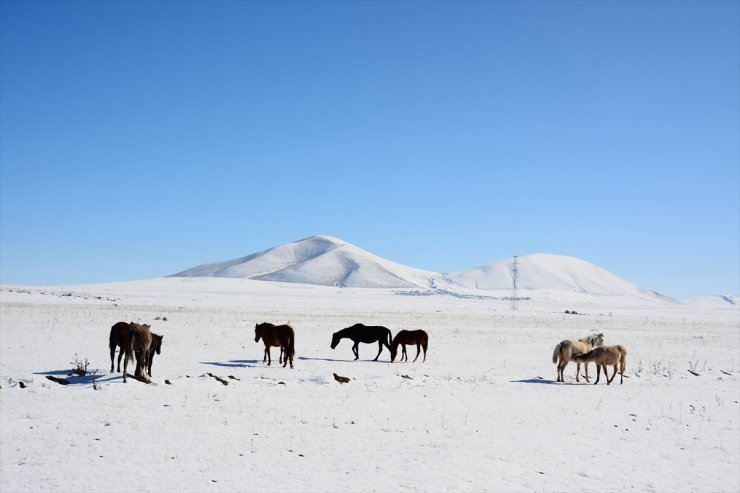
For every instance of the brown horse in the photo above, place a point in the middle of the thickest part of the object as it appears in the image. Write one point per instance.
(118, 338)
(276, 335)
(606, 355)
(118, 335)
(143, 343)
(418, 337)
(568, 349)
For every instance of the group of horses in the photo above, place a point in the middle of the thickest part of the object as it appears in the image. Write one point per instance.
(588, 350)
(134, 339)
(137, 340)
(283, 336)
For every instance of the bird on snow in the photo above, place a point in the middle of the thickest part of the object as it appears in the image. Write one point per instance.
(340, 379)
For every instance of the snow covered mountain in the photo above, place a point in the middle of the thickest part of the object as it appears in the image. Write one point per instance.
(320, 260)
(719, 301)
(329, 261)
(544, 271)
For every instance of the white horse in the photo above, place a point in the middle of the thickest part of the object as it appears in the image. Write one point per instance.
(566, 350)
(603, 356)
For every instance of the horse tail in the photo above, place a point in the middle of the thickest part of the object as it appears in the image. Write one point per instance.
(622, 356)
(113, 340)
(129, 347)
(389, 336)
(556, 353)
(291, 346)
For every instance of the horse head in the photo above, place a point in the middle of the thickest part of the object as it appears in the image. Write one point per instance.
(157, 343)
(597, 339)
(257, 332)
(335, 340)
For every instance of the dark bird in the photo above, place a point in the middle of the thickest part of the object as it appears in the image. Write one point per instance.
(340, 379)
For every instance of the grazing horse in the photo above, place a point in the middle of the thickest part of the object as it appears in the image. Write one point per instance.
(366, 334)
(606, 355)
(118, 338)
(418, 337)
(566, 350)
(138, 341)
(276, 335)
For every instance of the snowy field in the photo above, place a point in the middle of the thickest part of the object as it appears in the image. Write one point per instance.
(483, 413)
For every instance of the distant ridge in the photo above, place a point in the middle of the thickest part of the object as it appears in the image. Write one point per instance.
(718, 301)
(330, 261)
(545, 271)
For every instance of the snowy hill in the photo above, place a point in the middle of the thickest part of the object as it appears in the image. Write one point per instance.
(719, 301)
(322, 260)
(543, 271)
(329, 261)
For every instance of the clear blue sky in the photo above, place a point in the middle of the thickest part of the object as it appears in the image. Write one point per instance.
(139, 139)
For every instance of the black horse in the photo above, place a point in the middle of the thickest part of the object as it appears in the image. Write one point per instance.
(366, 334)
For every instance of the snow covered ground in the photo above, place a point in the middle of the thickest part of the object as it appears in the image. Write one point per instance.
(481, 414)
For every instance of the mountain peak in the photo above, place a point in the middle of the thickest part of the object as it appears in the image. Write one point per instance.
(322, 259)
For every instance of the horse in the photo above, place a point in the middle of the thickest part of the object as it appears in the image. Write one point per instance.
(156, 347)
(418, 337)
(606, 355)
(566, 350)
(142, 342)
(276, 335)
(118, 337)
(366, 334)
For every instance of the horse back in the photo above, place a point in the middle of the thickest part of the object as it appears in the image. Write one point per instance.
(139, 337)
(118, 334)
(371, 333)
(411, 337)
(278, 335)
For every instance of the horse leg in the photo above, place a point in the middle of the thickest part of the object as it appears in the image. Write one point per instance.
(613, 375)
(585, 366)
(269, 356)
(282, 353)
(149, 365)
(562, 366)
(418, 350)
(356, 350)
(144, 364)
(121, 352)
(578, 370)
(598, 373)
(424, 347)
(380, 349)
(125, 367)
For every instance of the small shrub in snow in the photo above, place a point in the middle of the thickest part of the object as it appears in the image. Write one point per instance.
(79, 367)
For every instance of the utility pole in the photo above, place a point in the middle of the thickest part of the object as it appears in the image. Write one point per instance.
(514, 276)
